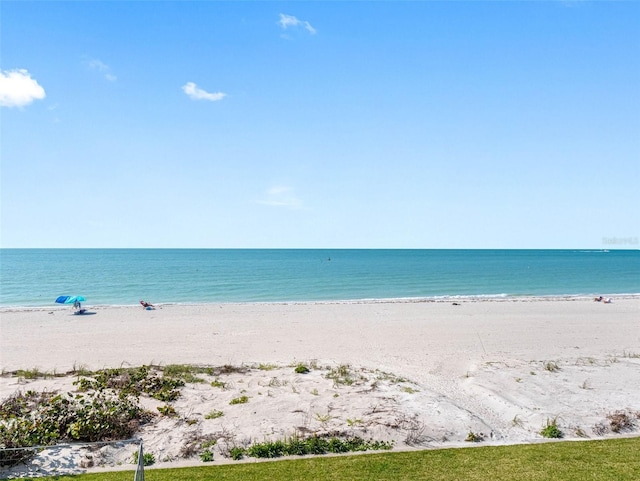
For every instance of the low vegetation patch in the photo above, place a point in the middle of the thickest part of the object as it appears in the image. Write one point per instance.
(197, 444)
(229, 369)
(45, 418)
(344, 375)
(409, 390)
(187, 372)
(134, 381)
(167, 410)
(31, 374)
(266, 367)
(313, 445)
(239, 400)
(215, 414)
(473, 437)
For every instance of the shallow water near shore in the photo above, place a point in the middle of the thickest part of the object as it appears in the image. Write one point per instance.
(35, 277)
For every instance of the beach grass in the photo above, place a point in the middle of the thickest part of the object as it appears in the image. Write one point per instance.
(601, 460)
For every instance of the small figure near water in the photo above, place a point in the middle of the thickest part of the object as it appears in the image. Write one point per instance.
(147, 306)
(608, 300)
(78, 308)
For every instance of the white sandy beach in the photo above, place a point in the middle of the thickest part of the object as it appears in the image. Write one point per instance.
(479, 366)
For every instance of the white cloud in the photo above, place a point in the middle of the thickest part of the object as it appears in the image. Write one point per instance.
(18, 89)
(103, 68)
(281, 196)
(196, 93)
(287, 21)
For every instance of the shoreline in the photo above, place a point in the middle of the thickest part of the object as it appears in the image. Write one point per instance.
(373, 331)
(384, 300)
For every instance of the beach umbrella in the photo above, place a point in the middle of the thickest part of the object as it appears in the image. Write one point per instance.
(69, 299)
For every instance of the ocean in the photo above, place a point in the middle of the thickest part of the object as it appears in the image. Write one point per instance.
(35, 277)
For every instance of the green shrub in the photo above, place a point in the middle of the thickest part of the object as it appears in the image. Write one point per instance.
(551, 430)
(167, 410)
(218, 383)
(236, 453)
(301, 369)
(271, 449)
(206, 456)
(296, 447)
(147, 458)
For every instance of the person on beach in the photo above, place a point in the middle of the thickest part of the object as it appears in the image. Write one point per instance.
(608, 300)
(147, 306)
(78, 308)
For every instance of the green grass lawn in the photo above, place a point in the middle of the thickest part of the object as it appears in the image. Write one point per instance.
(614, 460)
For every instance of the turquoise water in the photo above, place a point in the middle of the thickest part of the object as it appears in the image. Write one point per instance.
(35, 277)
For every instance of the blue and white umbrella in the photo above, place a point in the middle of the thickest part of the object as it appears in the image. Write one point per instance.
(69, 299)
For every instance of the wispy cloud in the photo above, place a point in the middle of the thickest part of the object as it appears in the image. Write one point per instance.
(281, 196)
(289, 21)
(196, 93)
(18, 89)
(53, 108)
(103, 68)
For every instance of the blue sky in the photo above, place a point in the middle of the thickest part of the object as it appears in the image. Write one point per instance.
(320, 124)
